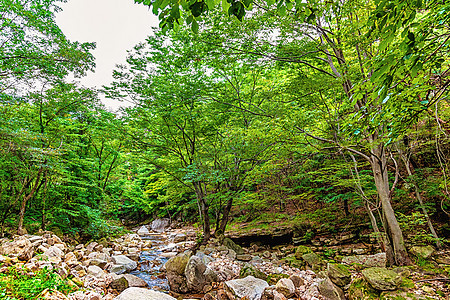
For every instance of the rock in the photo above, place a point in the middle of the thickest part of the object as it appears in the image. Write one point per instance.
(249, 287)
(48, 294)
(20, 247)
(143, 231)
(96, 271)
(330, 291)
(197, 274)
(244, 257)
(367, 261)
(175, 272)
(54, 254)
(361, 290)
(443, 260)
(134, 281)
(382, 279)
(339, 274)
(122, 260)
(117, 269)
(250, 270)
(97, 262)
(119, 284)
(313, 260)
(422, 251)
(297, 280)
(160, 225)
(301, 250)
(286, 287)
(134, 293)
(278, 296)
(180, 237)
(233, 246)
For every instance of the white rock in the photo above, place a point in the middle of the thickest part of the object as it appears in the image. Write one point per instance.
(134, 293)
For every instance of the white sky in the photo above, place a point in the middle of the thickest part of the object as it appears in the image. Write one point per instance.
(115, 25)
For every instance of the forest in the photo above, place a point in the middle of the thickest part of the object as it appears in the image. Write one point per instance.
(317, 114)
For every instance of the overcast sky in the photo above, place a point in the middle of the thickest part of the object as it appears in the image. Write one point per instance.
(115, 25)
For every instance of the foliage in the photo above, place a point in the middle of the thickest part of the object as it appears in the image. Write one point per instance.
(20, 283)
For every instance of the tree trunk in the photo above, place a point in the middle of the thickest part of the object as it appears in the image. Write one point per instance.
(419, 198)
(24, 202)
(380, 174)
(226, 214)
(204, 211)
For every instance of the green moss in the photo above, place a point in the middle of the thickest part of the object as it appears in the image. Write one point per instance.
(273, 278)
(360, 290)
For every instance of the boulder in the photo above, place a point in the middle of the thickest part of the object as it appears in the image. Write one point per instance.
(367, 261)
(175, 273)
(244, 257)
(124, 261)
(361, 290)
(180, 237)
(20, 247)
(313, 260)
(297, 280)
(286, 287)
(117, 269)
(301, 250)
(119, 283)
(160, 225)
(339, 274)
(134, 281)
(330, 291)
(424, 252)
(143, 231)
(134, 293)
(249, 287)
(250, 270)
(382, 279)
(197, 274)
(233, 246)
(96, 271)
(54, 254)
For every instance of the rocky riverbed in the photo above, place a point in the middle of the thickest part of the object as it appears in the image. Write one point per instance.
(157, 262)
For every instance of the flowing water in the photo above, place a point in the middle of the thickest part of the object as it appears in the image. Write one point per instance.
(151, 262)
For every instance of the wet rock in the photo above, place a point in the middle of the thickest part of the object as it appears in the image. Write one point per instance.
(286, 287)
(382, 279)
(424, 252)
(330, 291)
(367, 261)
(134, 293)
(160, 225)
(124, 261)
(339, 274)
(20, 247)
(233, 246)
(249, 287)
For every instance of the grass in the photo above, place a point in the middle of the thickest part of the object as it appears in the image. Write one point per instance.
(19, 283)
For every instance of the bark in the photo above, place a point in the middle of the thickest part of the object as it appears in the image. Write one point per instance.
(199, 191)
(379, 168)
(409, 169)
(226, 214)
(25, 200)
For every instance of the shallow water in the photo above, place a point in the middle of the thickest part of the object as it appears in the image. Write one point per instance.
(150, 264)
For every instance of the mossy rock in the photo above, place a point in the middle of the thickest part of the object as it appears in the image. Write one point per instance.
(424, 252)
(272, 279)
(302, 250)
(233, 246)
(382, 279)
(294, 263)
(250, 270)
(360, 289)
(177, 264)
(339, 274)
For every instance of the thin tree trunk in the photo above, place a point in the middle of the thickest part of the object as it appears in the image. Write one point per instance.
(226, 214)
(379, 168)
(419, 198)
(24, 202)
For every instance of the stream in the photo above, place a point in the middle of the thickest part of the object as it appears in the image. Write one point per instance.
(150, 263)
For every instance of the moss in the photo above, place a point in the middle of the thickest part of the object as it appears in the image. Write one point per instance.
(360, 290)
(272, 279)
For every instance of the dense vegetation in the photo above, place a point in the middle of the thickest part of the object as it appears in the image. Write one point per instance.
(318, 112)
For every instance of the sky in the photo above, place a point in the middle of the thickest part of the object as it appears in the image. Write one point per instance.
(115, 25)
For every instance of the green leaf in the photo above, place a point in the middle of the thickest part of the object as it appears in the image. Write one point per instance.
(194, 26)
